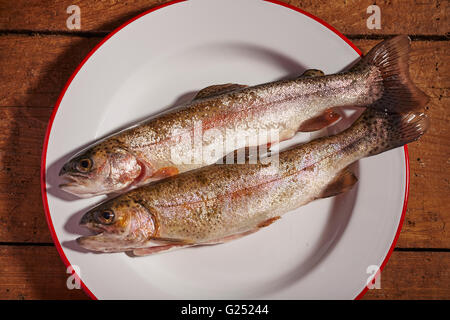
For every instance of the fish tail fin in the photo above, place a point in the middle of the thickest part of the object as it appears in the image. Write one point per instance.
(389, 63)
(387, 130)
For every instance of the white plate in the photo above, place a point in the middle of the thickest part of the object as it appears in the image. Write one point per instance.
(322, 250)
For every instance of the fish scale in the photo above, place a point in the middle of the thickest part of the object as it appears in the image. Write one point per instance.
(233, 116)
(219, 203)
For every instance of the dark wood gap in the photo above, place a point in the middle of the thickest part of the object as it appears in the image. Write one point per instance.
(83, 34)
(50, 244)
(34, 107)
(422, 249)
(28, 244)
(414, 37)
(101, 34)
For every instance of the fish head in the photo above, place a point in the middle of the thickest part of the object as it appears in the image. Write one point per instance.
(120, 224)
(101, 169)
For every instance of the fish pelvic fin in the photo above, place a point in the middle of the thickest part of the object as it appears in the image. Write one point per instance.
(343, 182)
(324, 119)
(389, 60)
(321, 121)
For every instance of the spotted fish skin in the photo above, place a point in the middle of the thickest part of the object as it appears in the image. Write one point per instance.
(144, 153)
(222, 202)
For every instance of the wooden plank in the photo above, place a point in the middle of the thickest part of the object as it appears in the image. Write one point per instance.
(39, 67)
(22, 132)
(425, 17)
(38, 273)
(414, 275)
(34, 273)
(52, 14)
(34, 69)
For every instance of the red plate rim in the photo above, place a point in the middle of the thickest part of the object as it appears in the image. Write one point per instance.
(55, 110)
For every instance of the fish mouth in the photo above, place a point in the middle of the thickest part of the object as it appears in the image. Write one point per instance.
(73, 178)
(97, 241)
(101, 240)
(78, 185)
(104, 242)
(93, 243)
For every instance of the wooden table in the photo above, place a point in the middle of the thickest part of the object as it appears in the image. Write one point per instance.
(38, 53)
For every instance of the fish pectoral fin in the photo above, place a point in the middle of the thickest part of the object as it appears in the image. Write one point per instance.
(218, 89)
(268, 222)
(343, 182)
(159, 249)
(165, 172)
(321, 121)
(312, 73)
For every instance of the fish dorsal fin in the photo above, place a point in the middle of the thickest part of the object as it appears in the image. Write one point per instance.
(343, 182)
(321, 121)
(218, 89)
(312, 73)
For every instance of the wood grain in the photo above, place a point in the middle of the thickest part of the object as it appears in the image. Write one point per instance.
(32, 82)
(38, 273)
(34, 69)
(38, 53)
(424, 17)
(22, 216)
(414, 275)
(34, 273)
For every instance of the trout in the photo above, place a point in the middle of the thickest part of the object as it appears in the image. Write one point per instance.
(219, 203)
(145, 152)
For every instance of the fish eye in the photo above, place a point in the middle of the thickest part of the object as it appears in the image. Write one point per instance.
(105, 216)
(84, 165)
